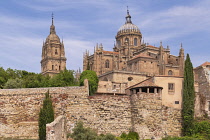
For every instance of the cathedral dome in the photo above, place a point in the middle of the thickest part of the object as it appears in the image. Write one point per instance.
(53, 37)
(128, 26)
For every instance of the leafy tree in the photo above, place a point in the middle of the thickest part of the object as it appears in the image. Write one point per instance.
(3, 77)
(46, 115)
(64, 78)
(81, 133)
(92, 79)
(14, 83)
(188, 98)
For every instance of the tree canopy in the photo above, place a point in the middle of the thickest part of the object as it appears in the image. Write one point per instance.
(92, 79)
(11, 78)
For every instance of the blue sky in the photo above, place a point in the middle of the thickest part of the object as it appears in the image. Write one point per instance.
(24, 24)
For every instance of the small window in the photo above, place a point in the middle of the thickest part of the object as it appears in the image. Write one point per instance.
(56, 51)
(135, 41)
(59, 67)
(114, 87)
(171, 87)
(126, 40)
(107, 64)
(52, 67)
(170, 72)
(130, 78)
(176, 102)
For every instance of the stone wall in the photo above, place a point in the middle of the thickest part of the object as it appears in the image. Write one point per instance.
(153, 120)
(19, 109)
(56, 129)
(202, 82)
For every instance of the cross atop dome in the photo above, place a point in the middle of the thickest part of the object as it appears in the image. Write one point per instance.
(128, 17)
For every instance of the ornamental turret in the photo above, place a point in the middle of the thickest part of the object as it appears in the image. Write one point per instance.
(53, 54)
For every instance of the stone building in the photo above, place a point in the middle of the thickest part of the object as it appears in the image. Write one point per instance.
(132, 61)
(53, 54)
(202, 88)
(130, 53)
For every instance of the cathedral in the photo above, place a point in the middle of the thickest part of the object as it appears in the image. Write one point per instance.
(130, 53)
(53, 54)
(135, 67)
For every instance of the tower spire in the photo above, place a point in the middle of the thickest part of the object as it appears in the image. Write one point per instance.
(52, 18)
(128, 17)
(52, 27)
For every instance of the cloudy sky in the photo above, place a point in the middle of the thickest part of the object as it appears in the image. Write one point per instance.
(24, 24)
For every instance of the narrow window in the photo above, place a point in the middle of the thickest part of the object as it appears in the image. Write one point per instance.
(171, 87)
(126, 40)
(135, 41)
(56, 52)
(118, 43)
(59, 67)
(170, 72)
(52, 67)
(107, 64)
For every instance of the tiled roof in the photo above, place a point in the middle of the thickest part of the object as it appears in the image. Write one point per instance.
(151, 46)
(205, 64)
(146, 83)
(111, 52)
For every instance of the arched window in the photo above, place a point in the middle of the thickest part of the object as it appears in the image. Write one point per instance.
(135, 41)
(118, 43)
(170, 72)
(56, 51)
(126, 40)
(107, 64)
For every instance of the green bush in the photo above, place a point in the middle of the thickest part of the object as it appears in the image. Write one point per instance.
(130, 136)
(81, 133)
(92, 80)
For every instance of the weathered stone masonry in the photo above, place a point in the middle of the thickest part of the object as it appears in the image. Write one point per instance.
(19, 109)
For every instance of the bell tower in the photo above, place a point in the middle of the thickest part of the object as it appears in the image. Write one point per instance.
(53, 53)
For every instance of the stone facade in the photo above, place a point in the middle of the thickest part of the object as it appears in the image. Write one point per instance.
(53, 54)
(151, 119)
(202, 88)
(130, 53)
(104, 113)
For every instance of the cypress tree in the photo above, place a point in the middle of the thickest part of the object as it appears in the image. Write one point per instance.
(188, 98)
(46, 115)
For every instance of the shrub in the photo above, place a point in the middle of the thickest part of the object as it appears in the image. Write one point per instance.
(92, 80)
(81, 133)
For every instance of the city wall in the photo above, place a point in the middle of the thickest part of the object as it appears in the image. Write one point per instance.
(19, 110)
